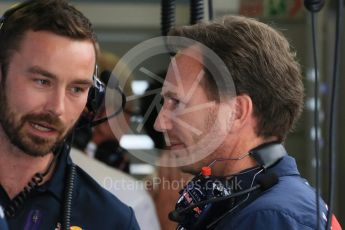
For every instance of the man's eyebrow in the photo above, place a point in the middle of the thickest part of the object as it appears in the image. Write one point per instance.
(169, 94)
(83, 82)
(40, 71)
(45, 73)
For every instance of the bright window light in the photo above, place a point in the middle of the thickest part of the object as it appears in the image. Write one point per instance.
(139, 87)
(136, 142)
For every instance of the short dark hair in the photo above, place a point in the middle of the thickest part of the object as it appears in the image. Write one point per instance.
(262, 65)
(56, 16)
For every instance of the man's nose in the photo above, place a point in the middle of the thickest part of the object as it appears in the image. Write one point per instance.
(163, 121)
(56, 103)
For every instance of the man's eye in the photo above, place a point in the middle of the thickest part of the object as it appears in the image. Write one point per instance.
(170, 101)
(174, 101)
(77, 90)
(42, 82)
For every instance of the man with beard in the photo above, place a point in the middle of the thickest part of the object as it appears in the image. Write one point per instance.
(47, 62)
(232, 116)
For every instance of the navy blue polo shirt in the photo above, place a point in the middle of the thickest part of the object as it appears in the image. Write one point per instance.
(3, 225)
(92, 206)
(290, 204)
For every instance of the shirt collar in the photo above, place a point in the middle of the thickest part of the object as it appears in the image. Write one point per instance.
(284, 167)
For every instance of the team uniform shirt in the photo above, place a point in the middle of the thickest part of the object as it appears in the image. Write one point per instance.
(92, 206)
(3, 225)
(289, 204)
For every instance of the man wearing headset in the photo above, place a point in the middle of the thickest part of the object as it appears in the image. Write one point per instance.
(47, 63)
(241, 127)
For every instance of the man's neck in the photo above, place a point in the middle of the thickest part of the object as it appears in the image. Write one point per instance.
(17, 168)
(240, 153)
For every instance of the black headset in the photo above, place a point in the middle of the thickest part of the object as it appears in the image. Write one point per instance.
(206, 200)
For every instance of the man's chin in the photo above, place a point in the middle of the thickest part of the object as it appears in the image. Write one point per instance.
(36, 147)
(193, 169)
(37, 151)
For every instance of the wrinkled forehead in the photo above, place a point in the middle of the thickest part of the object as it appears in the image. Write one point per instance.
(186, 70)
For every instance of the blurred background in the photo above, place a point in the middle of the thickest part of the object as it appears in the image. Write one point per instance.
(123, 24)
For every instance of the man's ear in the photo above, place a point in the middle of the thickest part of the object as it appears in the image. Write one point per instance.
(243, 111)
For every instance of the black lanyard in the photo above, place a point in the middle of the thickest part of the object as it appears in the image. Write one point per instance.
(67, 204)
(17, 202)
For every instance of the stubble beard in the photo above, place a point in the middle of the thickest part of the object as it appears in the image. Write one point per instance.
(29, 144)
(213, 126)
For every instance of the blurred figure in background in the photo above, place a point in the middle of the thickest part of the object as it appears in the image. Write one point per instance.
(100, 142)
(104, 145)
(129, 190)
(166, 193)
(112, 161)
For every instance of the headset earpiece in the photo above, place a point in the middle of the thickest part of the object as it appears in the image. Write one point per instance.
(94, 102)
(96, 94)
(96, 99)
